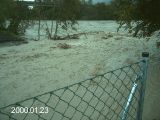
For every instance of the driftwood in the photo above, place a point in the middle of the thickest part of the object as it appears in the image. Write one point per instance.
(74, 36)
(64, 46)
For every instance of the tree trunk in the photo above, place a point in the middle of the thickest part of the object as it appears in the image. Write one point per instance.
(48, 32)
(39, 27)
(56, 30)
(51, 28)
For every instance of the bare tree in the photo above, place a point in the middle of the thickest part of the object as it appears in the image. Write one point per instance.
(66, 11)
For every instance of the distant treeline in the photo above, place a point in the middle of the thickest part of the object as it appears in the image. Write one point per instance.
(86, 11)
(138, 15)
(99, 11)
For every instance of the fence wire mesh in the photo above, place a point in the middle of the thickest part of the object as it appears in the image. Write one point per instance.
(113, 95)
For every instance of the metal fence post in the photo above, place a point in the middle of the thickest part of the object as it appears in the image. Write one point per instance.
(145, 56)
(130, 97)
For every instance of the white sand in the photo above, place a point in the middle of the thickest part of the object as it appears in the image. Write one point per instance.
(40, 66)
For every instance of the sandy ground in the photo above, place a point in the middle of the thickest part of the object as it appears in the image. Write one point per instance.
(41, 66)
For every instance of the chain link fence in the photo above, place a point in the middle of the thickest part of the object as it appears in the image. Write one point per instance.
(115, 95)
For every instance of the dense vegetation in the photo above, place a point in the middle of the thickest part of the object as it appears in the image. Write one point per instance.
(139, 16)
(13, 16)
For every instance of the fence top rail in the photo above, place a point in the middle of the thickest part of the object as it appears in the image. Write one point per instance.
(91, 78)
